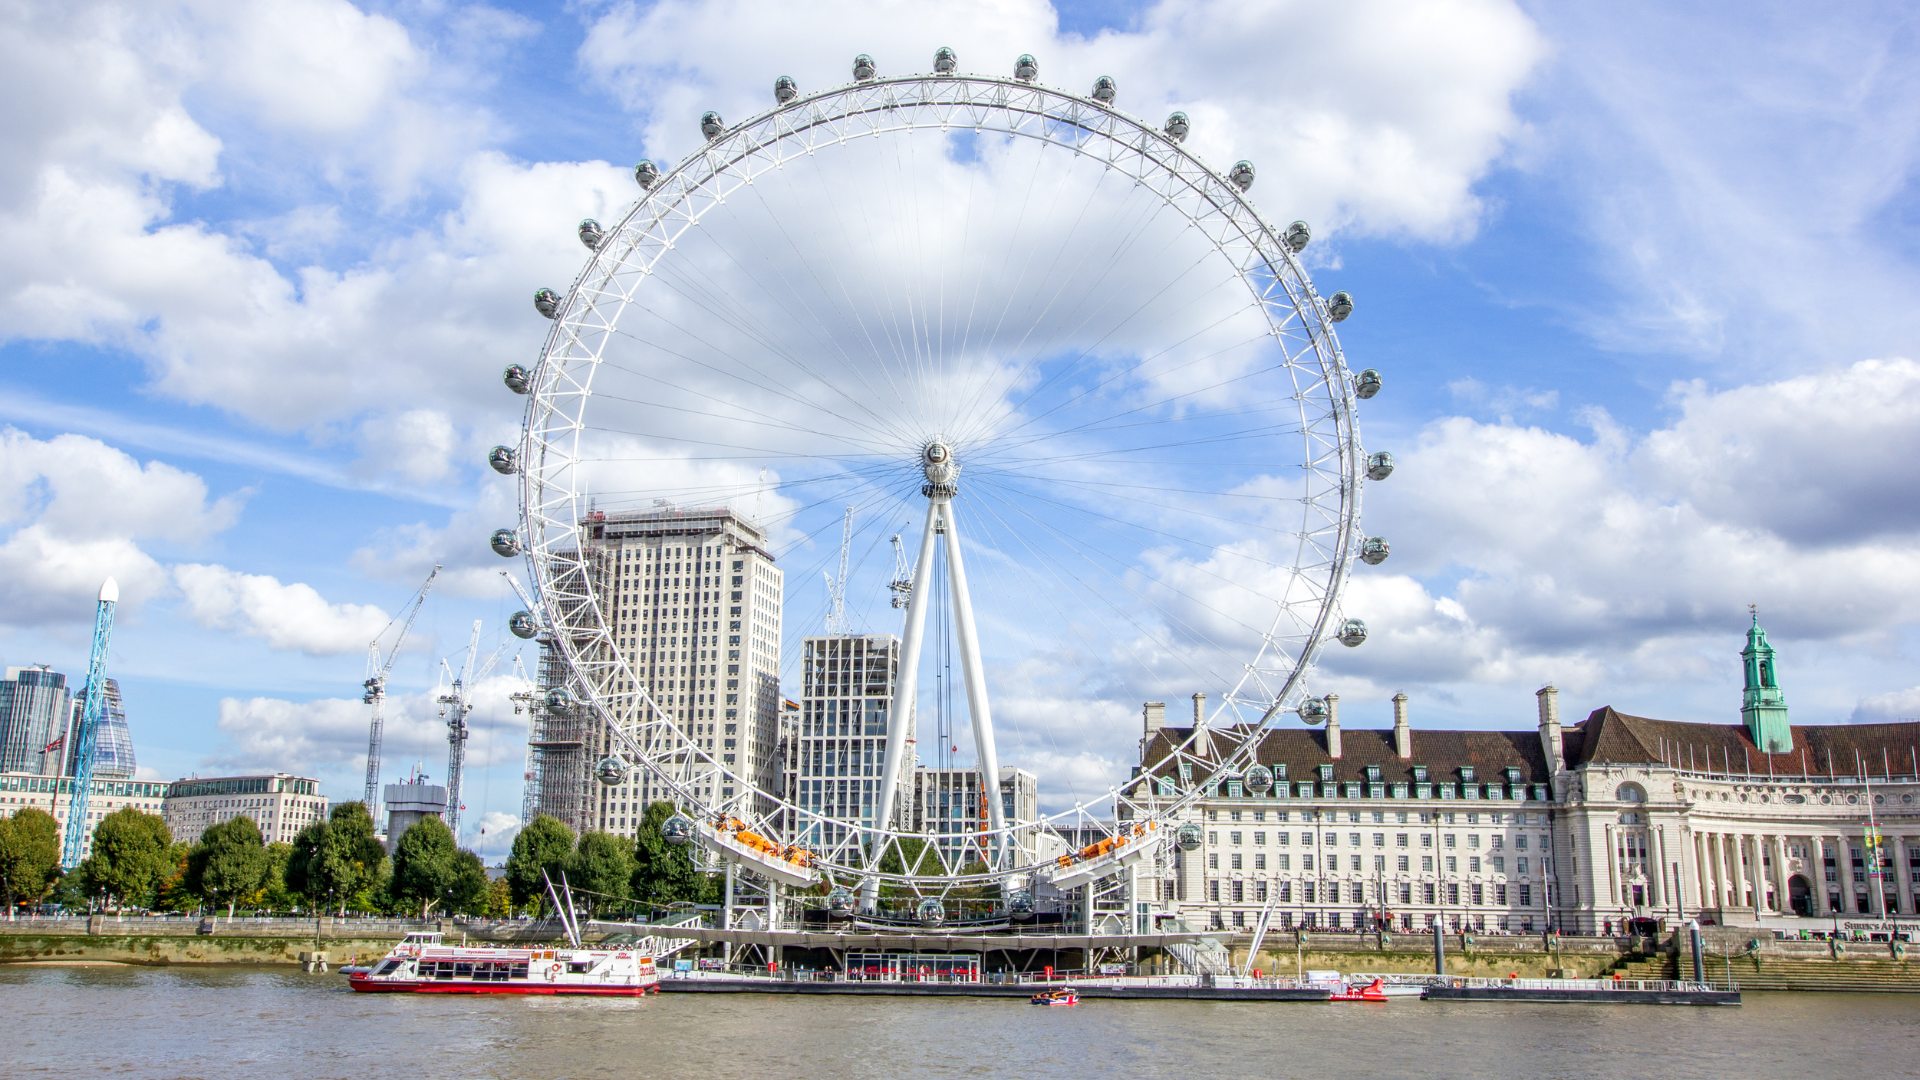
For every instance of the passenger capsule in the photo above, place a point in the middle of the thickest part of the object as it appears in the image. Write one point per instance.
(1374, 550)
(1189, 837)
(1026, 67)
(1104, 89)
(558, 700)
(1259, 779)
(591, 235)
(1366, 384)
(932, 912)
(1379, 466)
(1020, 905)
(711, 125)
(676, 830)
(504, 543)
(501, 458)
(1313, 711)
(1297, 236)
(785, 89)
(524, 625)
(517, 379)
(863, 68)
(1339, 306)
(610, 771)
(1242, 175)
(944, 61)
(1177, 127)
(547, 302)
(646, 174)
(1352, 633)
(840, 900)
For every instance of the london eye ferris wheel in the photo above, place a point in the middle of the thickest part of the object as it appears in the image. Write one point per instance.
(1091, 384)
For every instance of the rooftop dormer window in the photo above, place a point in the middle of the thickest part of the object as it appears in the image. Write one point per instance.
(1466, 773)
(1326, 774)
(1420, 774)
(1373, 774)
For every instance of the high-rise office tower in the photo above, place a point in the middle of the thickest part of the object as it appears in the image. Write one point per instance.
(34, 709)
(847, 683)
(693, 599)
(112, 742)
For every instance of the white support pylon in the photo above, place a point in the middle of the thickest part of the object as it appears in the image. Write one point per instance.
(942, 474)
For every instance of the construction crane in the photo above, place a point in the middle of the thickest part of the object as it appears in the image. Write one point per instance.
(376, 689)
(96, 711)
(902, 584)
(457, 702)
(837, 586)
(523, 703)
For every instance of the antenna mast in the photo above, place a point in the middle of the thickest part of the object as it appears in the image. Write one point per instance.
(376, 691)
(837, 586)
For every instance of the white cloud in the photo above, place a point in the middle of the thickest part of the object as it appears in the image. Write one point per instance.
(292, 616)
(75, 510)
(1375, 115)
(492, 835)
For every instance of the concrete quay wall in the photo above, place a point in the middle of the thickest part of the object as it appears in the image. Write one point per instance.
(164, 950)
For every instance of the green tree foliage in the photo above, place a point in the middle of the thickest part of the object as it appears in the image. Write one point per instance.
(907, 856)
(469, 894)
(603, 867)
(499, 899)
(229, 863)
(29, 855)
(664, 873)
(338, 862)
(129, 857)
(173, 894)
(273, 894)
(424, 864)
(544, 846)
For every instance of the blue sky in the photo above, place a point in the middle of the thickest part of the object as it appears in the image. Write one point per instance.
(1640, 281)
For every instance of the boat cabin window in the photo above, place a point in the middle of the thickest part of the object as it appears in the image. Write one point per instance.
(386, 967)
(579, 967)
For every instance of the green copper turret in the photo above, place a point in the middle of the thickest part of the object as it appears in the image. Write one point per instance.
(1762, 705)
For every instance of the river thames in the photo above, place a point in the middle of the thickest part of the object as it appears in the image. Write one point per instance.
(280, 1025)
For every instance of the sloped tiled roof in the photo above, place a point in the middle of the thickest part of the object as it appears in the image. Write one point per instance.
(1443, 753)
(1612, 737)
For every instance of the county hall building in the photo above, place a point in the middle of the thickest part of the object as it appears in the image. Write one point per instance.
(1580, 827)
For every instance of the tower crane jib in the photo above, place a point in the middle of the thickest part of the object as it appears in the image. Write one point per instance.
(376, 689)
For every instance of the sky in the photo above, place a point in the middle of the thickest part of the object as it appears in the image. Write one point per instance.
(1639, 280)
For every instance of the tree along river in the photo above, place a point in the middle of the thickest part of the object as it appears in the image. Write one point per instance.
(237, 1022)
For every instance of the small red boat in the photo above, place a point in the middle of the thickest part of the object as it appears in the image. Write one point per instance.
(1067, 996)
(1373, 991)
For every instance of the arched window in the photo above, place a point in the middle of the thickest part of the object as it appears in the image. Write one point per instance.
(1631, 793)
(1766, 673)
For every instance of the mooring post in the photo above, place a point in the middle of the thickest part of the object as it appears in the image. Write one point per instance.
(1439, 948)
(1693, 938)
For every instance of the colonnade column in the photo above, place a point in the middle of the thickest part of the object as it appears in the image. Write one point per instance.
(1785, 888)
(1741, 878)
(1701, 872)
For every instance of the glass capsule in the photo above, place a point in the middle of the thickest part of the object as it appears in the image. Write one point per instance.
(863, 68)
(1339, 306)
(504, 543)
(502, 460)
(517, 379)
(1379, 466)
(1189, 837)
(1026, 67)
(944, 61)
(547, 302)
(785, 90)
(1297, 236)
(591, 235)
(1366, 384)
(1313, 711)
(711, 125)
(932, 912)
(646, 174)
(1259, 779)
(1177, 127)
(523, 625)
(1352, 633)
(676, 830)
(610, 771)
(1374, 550)
(1242, 175)
(559, 700)
(1104, 89)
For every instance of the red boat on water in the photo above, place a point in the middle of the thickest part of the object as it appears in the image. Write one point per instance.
(1373, 991)
(421, 964)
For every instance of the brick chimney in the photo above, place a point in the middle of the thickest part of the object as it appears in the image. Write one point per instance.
(1402, 731)
(1333, 726)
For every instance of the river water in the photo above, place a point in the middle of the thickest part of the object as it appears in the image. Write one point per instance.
(269, 1025)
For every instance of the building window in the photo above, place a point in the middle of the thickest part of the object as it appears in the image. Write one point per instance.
(1213, 890)
(1479, 895)
(1213, 860)
(1526, 899)
(1236, 860)
(1453, 894)
(1500, 897)
(1401, 864)
(1426, 864)
(1426, 890)
(1280, 861)
(1259, 862)
(1239, 895)
(1234, 837)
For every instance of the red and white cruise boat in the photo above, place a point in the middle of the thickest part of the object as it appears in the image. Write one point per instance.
(421, 964)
